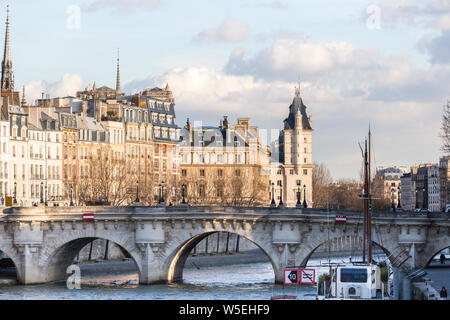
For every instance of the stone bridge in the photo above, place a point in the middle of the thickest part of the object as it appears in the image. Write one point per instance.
(43, 241)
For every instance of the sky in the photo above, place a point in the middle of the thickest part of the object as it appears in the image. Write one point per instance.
(380, 63)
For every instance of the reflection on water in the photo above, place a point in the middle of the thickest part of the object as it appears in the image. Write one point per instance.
(250, 282)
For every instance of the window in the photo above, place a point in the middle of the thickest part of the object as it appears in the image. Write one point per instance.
(220, 172)
(184, 173)
(202, 172)
(305, 172)
(219, 191)
(237, 173)
(354, 275)
(291, 171)
(201, 190)
(219, 158)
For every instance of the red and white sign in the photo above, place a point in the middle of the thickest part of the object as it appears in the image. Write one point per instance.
(88, 217)
(290, 276)
(307, 276)
(341, 219)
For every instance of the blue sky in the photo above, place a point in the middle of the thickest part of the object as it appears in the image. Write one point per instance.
(380, 62)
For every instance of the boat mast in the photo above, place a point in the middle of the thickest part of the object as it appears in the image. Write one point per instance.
(366, 207)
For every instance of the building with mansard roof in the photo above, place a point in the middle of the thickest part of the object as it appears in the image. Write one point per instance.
(222, 165)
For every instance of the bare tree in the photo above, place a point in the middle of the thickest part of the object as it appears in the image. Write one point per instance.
(345, 193)
(380, 201)
(102, 179)
(321, 181)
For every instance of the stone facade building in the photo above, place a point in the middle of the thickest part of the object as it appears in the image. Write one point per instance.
(408, 190)
(392, 183)
(224, 165)
(291, 173)
(444, 181)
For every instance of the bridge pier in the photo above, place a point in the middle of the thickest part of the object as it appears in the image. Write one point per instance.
(150, 271)
(28, 240)
(27, 270)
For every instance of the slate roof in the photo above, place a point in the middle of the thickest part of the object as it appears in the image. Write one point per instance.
(213, 137)
(297, 107)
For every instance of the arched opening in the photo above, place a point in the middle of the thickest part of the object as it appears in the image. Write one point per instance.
(101, 261)
(212, 259)
(345, 249)
(440, 259)
(8, 270)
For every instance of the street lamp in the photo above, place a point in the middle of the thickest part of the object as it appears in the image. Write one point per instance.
(15, 192)
(417, 202)
(183, 190)
(71, 200)
(45, 196)
(298, 194)
(399, 206)
(305, 205)
(392, 200)
(423, 198)
(137, 191)
(280, 204)
(161, 195)
(42, 190)
(272, 203)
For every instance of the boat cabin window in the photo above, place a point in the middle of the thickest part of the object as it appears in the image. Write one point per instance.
(353, 275)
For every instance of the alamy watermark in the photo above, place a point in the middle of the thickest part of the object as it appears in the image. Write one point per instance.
(373, 21)
(73, 21)
(74, 279)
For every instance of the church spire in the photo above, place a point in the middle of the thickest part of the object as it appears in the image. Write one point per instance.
(7, 80)
(118, 75)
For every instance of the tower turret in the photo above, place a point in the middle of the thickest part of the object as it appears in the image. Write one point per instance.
(7, 80)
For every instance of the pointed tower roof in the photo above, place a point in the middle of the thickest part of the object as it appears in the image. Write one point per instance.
(167, 87)
(297, 107)
(7, 80)
(118, 75)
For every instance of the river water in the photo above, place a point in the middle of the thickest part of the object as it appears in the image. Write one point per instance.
(234, 282)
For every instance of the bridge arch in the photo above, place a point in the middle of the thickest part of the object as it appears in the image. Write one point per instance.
(174, 264)
(433, 255)
(12, 254)
(58, 255)
(343, 241)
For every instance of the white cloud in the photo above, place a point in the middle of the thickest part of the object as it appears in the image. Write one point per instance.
(432, 14)
(69, 84)
(231, 30)
(288, 59)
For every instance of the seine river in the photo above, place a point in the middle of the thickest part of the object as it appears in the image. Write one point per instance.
(233, 282)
